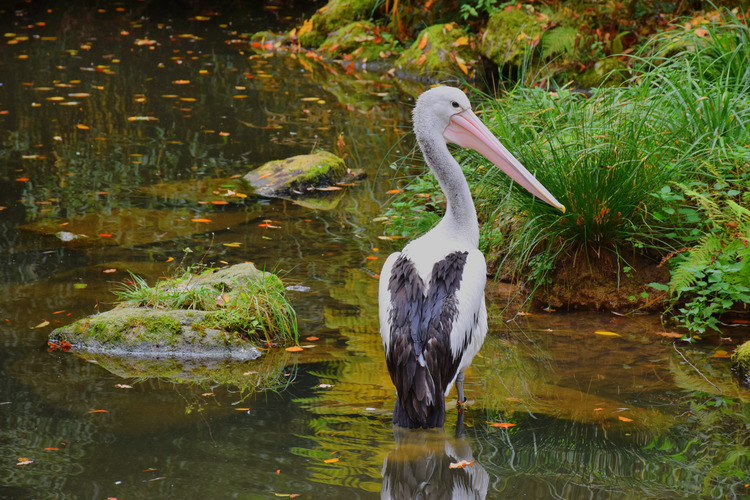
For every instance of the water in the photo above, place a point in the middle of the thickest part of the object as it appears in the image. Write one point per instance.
(630, 415)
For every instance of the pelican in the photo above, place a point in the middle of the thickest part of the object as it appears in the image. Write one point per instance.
(433, 318)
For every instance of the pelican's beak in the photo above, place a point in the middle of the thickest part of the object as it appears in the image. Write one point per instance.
(466, 130)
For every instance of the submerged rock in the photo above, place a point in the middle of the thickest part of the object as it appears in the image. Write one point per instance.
(217, 314)
(301, 178)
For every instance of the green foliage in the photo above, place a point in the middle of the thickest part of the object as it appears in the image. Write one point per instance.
(477, 8)
(713, 276)
(414, 210)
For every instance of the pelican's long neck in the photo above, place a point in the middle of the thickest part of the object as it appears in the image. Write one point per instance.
(461, 215)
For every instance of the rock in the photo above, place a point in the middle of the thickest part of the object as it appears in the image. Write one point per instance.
(189, 318)
(604, 73)
(334, 15)
(741, 363)
(363, 40)
(506, 39)
(440, 50)
(298, 174)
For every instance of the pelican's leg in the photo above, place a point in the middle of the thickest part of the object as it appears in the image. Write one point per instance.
(460, 389)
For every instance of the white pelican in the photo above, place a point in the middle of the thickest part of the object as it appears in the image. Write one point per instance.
(433, 318)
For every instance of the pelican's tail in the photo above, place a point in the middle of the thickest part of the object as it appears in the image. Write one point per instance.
(421, 404)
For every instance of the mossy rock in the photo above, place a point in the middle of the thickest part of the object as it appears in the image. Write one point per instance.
(604, 73)
(332, 16)
(220, 313)
(741, 363)
(361, 39)
(440, 49)
(295, 175)
(506, 39)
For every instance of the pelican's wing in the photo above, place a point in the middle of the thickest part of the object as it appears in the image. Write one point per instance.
(469, 326)
(419, 324)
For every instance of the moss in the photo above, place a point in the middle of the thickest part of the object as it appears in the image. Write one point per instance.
(298, 173)
(220, 312)
(334, 15)
(604, 73)
(503, 40)
(741, 362)
(362, 39)
(441, 48)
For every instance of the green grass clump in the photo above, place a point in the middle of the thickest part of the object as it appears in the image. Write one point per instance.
(253, 306)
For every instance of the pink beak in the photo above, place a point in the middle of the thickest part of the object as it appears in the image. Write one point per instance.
(467, 131)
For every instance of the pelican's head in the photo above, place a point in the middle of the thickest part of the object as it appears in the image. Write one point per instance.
(448, 110)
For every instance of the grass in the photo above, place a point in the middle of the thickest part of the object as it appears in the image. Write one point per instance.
(631, 164)
(255, 307)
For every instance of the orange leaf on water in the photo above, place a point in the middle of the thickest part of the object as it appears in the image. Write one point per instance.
(311, 339)
(504, 425)
(294, 348)
(331, 460)
(673, 335)
(201, 220)
(625, 419)
(393, 191)
(110, 271)
(93, 410)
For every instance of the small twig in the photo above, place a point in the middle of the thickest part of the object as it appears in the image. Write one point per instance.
(674, 344)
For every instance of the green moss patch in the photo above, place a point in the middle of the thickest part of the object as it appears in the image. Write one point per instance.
(441, 48)
(295, 175)
(362, 40)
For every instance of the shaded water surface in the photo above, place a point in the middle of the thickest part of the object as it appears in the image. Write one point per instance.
(102, 110)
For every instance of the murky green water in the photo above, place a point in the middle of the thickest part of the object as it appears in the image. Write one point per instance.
(99, 107)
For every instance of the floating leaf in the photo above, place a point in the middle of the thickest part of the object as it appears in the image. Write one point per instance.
(331, 460)
(123, 386)
(42, 324)
(201, 220)
(625, 419)
(311, 339)
(294, 348)
(673, 335)
(109, 271)
(93, 410)
(504, 425)
(607, 334)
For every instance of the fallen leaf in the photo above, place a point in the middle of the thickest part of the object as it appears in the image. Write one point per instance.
(673, 335)
(423, 42)
(123, 386)
(607, 334)
(24, 461)
(504, 425)
(109, 271)
(42, 324)
(331, 460)
(93, 410)
(625, 419)
(242, 409)
(52, 449)
(311, 339)
(598, 409)
(201, 220)
(294, 348)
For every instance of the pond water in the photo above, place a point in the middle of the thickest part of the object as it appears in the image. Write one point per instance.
(103, 108)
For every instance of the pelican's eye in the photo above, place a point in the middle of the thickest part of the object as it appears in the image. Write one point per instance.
(455, 105)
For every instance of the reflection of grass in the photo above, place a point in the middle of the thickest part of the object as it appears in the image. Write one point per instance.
(265, 373)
